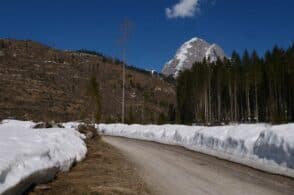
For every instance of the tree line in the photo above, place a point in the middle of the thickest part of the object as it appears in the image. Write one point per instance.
(246, 88)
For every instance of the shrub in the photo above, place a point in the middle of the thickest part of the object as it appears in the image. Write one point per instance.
(89, 130)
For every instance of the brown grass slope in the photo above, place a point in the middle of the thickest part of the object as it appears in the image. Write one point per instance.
(41, 83)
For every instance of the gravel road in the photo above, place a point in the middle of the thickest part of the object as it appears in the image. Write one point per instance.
(174, 170)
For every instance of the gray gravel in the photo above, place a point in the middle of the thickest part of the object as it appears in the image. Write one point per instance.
(176, 171)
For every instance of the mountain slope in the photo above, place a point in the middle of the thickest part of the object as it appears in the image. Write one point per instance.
(41, 83)
(194, 50)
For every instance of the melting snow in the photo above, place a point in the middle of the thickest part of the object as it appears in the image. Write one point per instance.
(25, 151)
(265, 147)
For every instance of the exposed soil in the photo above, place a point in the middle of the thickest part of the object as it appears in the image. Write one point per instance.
(104, 171)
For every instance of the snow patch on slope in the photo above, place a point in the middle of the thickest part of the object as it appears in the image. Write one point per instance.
(213, 53)
(261, 146)
(183, 53)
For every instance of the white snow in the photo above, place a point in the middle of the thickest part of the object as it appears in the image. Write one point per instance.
(213, 52)
(261, 146)
(210, 54)
(181, 55)
(25, 151)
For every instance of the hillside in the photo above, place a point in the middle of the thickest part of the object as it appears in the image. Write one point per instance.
(41, 83)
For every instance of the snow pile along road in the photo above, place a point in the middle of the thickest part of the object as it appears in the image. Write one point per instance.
(261, 146)
(29, 156)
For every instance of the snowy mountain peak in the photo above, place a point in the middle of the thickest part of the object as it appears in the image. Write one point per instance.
(195, 39)
(194, 50)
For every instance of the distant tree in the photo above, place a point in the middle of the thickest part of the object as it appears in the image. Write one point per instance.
(162, 119)
(95, 99)
(130, 119)
(172, 114)
(257, 79)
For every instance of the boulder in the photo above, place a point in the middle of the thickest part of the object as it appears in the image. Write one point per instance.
(89, 130)
(47, 125)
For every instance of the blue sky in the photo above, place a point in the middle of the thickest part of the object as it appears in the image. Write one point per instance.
(160, 26)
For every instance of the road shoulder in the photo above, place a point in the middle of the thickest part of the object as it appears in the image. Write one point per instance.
(104, 171)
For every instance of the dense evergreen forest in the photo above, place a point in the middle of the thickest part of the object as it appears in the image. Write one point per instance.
(245, 88)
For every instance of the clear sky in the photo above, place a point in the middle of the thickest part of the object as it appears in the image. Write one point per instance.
(160, 26)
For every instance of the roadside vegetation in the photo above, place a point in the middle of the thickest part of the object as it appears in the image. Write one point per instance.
(104, 171)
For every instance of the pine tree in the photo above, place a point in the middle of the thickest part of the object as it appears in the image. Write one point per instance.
(252, 89)
(171, 114)
(131, 119)
(95, 99)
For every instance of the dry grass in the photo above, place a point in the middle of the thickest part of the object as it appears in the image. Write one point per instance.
(104, 171)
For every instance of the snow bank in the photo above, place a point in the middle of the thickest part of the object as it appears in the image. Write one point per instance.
(261, 146)
(29, 153)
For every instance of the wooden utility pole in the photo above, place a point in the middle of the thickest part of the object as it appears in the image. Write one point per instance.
(125, 32)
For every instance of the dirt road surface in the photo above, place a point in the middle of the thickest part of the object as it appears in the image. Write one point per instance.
(174, 170)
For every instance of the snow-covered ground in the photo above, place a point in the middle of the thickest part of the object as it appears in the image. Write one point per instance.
(262, 146)
(29, 153)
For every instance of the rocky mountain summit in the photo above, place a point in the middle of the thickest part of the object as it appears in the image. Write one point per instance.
(194, 50)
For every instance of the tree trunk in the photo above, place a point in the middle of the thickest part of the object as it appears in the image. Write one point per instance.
(206, 106)
(248, 103)
(231, 103)
(236, 115)
(209, 102)
(256, 103)
(219, 102)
